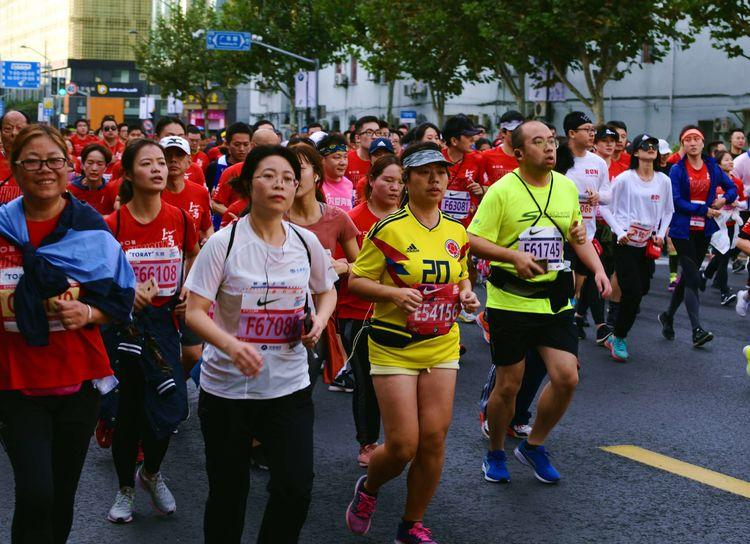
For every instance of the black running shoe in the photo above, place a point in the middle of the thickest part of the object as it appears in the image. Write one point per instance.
(701, 337)
(703, 279)
(580, 326)
(602, 333)
(667, 328)
(728, 298)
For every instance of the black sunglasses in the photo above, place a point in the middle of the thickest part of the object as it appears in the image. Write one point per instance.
(648, 146)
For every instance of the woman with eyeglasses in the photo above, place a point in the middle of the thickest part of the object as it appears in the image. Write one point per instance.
(695, 180)
(413, 266)
(92, 187)
(160, 243)
(271, 285)
(53, 362)
(641, 209)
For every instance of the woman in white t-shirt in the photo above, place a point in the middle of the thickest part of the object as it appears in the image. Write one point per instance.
(261, 274)
(639, 215)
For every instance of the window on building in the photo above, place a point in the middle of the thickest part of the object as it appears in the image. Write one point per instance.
(353, 71)
(120, 76)
(646, 54)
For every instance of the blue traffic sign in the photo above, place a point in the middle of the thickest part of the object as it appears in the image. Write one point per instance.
(21, 74)
(408, 114)
(2, 107)
(224, 40)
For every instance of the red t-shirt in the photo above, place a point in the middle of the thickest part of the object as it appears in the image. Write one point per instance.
(116, 150)
(333, 229)
(9, 190)
(5, 171)
(616, 168)
(201, 159)
(349, 306)
(156, 249)
(214, 153)
(700, 183)
(79, 143)
(101, 199)
(458, 202)
(674, 158)
(233, 211)
(70, 358)
(497, 163)
(194, 200)
(223, 192)
(193, 174)
(357, 168)
(624, 159)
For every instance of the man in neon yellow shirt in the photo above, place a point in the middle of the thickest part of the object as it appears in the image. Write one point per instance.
(521, 226)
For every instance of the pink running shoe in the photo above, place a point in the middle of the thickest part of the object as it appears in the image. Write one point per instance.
(360, 510)
(413, 533)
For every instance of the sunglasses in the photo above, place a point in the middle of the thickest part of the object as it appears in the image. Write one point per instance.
(648, 146)
(109, 129)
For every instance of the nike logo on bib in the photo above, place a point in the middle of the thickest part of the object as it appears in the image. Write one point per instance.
(264, 302)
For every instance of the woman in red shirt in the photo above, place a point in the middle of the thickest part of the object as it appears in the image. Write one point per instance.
(52, 359)
(160, 243)
(110, 135)
(383, 193)
(92, 187)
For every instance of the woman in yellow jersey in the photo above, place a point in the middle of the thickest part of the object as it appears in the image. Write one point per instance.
(413, 266)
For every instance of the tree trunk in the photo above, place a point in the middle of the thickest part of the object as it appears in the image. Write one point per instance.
(389, 106)
(292, 105)
(438, 104)
(204, 107)
(597, 107)
(521, 96)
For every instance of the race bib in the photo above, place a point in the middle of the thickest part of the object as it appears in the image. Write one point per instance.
(697, 222)
(639, 234)
(164, 264)
(271, 317)
(544, 243)
(456, 204)
(9, 278)
(437, 313)
(588, 211)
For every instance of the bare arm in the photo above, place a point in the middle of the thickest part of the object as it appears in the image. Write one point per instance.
(524, 262)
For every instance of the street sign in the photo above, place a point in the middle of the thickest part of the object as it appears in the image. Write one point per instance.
(21, 75)
(2, 107)
(408, 117)
(224, 40)
(71, 88)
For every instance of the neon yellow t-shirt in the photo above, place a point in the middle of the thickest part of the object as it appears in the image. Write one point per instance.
(507, 211)
(399, 251)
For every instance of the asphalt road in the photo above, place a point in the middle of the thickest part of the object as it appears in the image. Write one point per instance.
(670, 398)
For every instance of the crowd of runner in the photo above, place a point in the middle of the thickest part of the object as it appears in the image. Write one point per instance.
(134, 266)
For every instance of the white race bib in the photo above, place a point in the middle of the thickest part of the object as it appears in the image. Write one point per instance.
(271, 317)
(545, 243)
(164, 264)
(588, 211)
(456, 204)
(9, 278)
(697, 221)
(639, 233)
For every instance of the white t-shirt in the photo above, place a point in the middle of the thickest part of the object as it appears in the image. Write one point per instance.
(590, 173)
(742, 169)
(255, 280)
(645, 206)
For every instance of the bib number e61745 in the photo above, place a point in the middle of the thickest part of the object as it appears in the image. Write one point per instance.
(544, 243)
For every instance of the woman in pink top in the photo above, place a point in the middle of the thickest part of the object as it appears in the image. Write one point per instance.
(337, 188)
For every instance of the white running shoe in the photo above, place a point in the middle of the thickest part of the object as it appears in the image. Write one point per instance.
(122, 509)
(466, 317)
(161, 497)
(742, 303)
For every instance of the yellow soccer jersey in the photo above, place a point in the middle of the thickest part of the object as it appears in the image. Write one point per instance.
(508, 211)
(401, 252)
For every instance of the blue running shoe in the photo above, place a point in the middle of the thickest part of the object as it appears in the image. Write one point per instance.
(538, 460)
(495, 468)
(618, 348)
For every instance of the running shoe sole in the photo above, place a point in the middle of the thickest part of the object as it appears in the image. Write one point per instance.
(612, 353)
(703, 341)
(501, 481)
(119, 521)
(522, 458)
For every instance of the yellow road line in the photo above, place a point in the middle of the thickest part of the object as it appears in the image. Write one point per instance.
(686, 470)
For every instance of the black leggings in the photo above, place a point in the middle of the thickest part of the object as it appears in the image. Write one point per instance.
(46, 439)
(719, 265)
(634, 275)
(132, 427)
(691, 252)
(364, 401)
(284, 426)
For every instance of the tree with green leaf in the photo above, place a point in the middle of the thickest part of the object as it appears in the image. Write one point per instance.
(727, 20)
(308, 28)
(602, 40)
(174, 56)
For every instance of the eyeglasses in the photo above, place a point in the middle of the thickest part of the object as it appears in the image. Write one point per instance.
(109, 129)
(270, 179)
(648, 146)
(589, 130)
(34, 165)
(542, 144)
(368, 132)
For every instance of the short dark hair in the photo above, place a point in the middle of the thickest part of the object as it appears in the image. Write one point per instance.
(120, 125)
(131, 128)
(237, 128)
(711, 147)
(332, 138)
(384, 124)
(243, 184)
(618, 124)
(96, 147)
(314, 124)
(689, 127)
(421, 129)
(82, 120)
(364, 120)
(262, 122)
(106, 119)
(482, 141)
(192, 129)
(23, 113)
(128, 163)
(736, 129)
(165, 121)
(300, 140)
(377, 168)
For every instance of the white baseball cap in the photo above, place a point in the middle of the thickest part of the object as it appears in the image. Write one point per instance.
(664, 148)
(175, 141)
